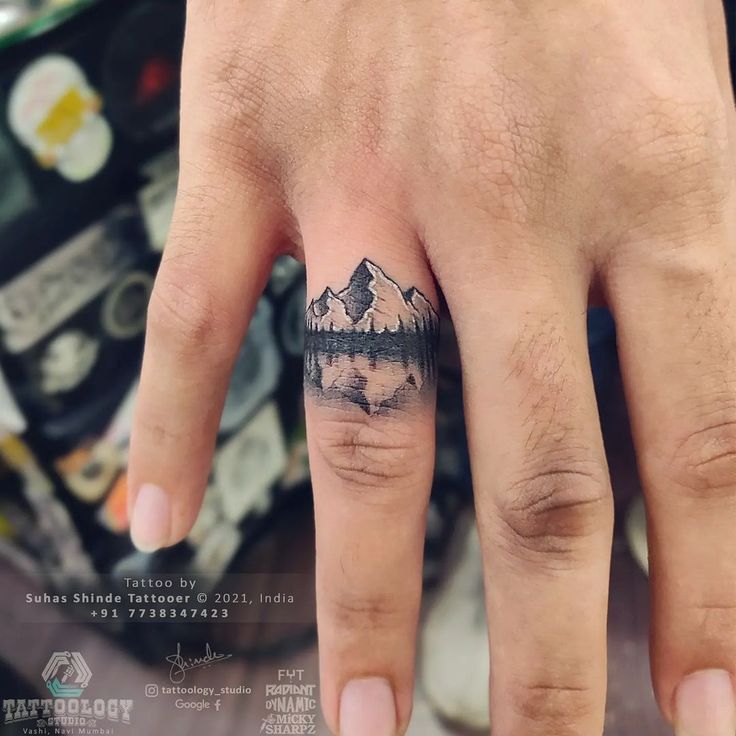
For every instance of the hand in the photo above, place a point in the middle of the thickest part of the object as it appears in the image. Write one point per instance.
(521, 155)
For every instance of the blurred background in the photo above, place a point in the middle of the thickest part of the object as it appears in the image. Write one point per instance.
(88, 172)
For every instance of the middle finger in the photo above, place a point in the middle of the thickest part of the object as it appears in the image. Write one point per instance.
(542, 490)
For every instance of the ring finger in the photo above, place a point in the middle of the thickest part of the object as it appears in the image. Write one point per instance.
(370, 390)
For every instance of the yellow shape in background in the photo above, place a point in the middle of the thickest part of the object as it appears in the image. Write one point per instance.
(64, 119)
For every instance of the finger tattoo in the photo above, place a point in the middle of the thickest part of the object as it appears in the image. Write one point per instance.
(372, 344)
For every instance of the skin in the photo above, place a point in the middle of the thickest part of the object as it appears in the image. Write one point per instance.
(526, 158)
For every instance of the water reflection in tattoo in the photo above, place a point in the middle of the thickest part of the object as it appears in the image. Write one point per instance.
(371, 344)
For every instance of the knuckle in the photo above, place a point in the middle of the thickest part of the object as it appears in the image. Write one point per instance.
(676, 150)
(159, 433)
(369, 123)
(507, 161)
(552, 707)
(239, 87)
(713, 619)
(185, 314)
(704, 461)
(367, 454)
(559, 496)
(552, 510)
(237, 74)
(359, 611)
(239, 115)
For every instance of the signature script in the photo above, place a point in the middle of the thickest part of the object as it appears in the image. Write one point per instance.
(181, 665)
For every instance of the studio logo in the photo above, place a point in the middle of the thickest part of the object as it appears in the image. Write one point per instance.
(66, 674)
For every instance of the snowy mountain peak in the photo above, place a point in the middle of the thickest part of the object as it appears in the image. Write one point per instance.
(371, 302)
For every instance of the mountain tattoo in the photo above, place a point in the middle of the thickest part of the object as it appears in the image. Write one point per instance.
(372, 344)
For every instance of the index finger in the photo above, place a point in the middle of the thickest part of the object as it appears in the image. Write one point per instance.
(216, 262)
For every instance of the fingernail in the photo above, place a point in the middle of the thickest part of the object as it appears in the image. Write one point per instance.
(367, 708)
(150, 523)
(705, 705)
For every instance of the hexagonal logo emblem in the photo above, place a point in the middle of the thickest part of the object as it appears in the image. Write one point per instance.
(67, 674)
